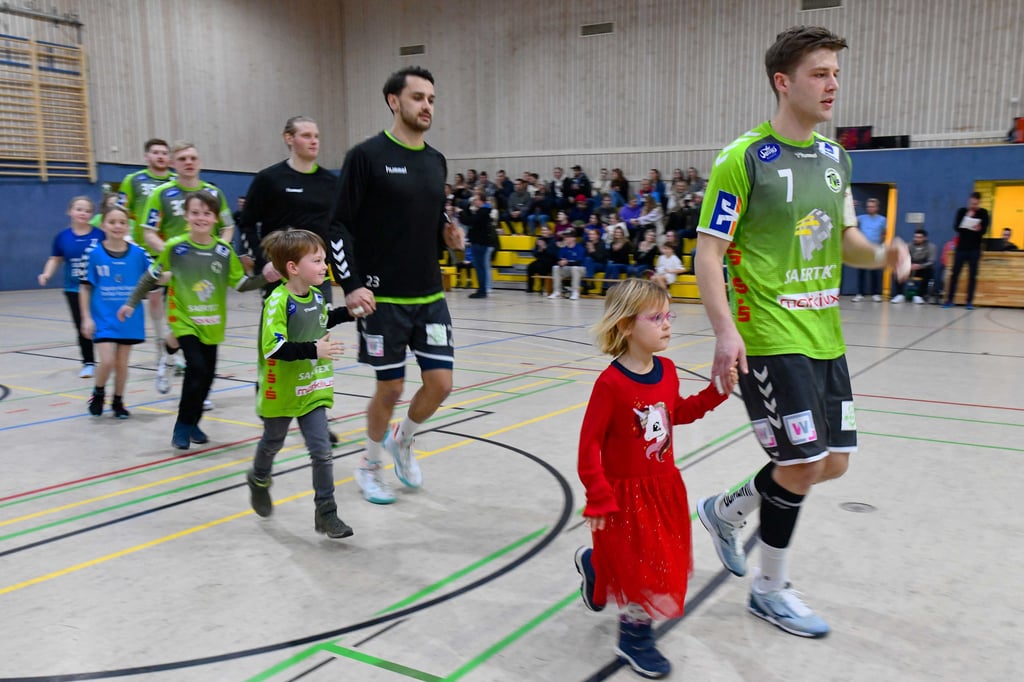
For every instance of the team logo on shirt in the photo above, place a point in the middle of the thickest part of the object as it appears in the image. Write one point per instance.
(813, 230)
(828, 149)
(726, 213)
(172, 192)
(396, 170)
(203, 290)
(216, 267)
(181, 249)
(834, 180)
(221, 250)
(769, 152)
(655, 424)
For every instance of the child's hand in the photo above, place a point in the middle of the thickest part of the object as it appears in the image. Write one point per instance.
(247, 262)
(124, 312)
(596, 523)
(43, 279)
(325, 348)
(88, 328)
(270, 273)
(734, 376)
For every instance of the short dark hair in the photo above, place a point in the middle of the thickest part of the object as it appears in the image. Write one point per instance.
(155, 141)
(976, 195)
(396, 81)
(792, 44)
(921, 231)
(206, 198)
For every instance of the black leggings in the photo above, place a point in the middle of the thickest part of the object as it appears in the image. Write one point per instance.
(200, 367)
(84, 344)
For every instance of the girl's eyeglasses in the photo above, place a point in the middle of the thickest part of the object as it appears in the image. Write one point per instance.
(658, 318)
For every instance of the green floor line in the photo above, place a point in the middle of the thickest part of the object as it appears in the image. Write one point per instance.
(943, 442)
(943, 418)
(287, 663)
(462, 573)
(381, 663)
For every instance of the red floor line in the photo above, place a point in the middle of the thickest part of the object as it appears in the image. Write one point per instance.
(939, 402)
(116, 472)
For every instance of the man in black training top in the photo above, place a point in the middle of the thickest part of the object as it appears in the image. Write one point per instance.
(386, 234)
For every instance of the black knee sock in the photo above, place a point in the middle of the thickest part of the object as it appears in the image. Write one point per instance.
(170, 351)
(779, 511)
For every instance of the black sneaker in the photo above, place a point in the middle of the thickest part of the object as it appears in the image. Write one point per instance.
(636, 647)
(327, 522)
(259, 495)
(95, 403)
(585, 568)
(179, 439)
(117, 407)
(333, 436)
(197, 436)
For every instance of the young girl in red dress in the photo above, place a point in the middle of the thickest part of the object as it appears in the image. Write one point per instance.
(636, 501)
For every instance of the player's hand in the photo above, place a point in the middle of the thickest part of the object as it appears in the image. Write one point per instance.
(247, 262)
(43, 279)
(454, 237)
(596, 523)
(124, 312)
(88, 328)
(730, 355)
(270, 273)
(360, 302)
(897, 258)
(327, 349)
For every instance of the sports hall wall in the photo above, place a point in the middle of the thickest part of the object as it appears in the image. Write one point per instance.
(518, 88)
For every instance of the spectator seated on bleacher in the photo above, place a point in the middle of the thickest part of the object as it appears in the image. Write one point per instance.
(629, 213)
(650, 216)
(519, 203)
(545, 255)
(540, 209)
(562, 225)
(620, 188)
(619, 252)
(645, 254)
(668, 267)
(580, 212)
(570, 261)
(596, 255)
(606, 211)
(579, 184)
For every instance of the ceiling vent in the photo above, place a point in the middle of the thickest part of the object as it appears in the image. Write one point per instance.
(597, 29)
(411, 50)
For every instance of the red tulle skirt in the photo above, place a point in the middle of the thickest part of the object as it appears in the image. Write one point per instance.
(644, 555)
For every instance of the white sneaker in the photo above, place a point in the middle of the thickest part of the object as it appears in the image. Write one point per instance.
(374, 489)
(406, 467)
(918, 299)
(207, 405)
(555, 295)
(898, 298)
(574, 296)
(88, 371)
(163, 382)
(179, 365)
(857, 299)
(877, 298)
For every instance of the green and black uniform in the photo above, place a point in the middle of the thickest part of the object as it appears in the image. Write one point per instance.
(783, 205)
(165, 209)
(386, 234)
(134, 193)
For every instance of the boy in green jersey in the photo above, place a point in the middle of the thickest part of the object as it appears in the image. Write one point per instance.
(778, 209)
(296, 372)
(197, 268)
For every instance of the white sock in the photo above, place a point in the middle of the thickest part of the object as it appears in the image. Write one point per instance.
(774, 573)
(406, 430)
(634, 613)
(371, 458)
(737, 506)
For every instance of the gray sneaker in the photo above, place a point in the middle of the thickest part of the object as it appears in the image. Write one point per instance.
(327, 522)
(725, 536)
(786, 610)
(259, 494)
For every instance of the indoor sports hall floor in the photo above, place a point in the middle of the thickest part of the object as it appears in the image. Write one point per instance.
(120, 556)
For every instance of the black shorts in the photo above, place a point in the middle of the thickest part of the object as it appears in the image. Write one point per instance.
(423, 328)
(801, 409)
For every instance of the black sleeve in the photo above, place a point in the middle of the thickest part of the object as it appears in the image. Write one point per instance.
(351, 187)
(338, 316)
(960, 213)
(248, 223)
(293, 350)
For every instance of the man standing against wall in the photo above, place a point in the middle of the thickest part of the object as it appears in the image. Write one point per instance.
(780, 212)
(971, 224)
(872, 226)
(386, 234)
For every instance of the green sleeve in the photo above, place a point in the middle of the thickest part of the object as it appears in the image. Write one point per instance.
(275, 325)
(725, 200)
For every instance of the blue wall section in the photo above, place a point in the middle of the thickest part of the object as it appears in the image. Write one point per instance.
(934, 181)
(32, 212)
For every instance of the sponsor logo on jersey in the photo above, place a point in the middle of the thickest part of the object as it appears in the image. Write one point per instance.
(172, 192)
(221, 250)
(216, 267)
(813, 230)
(828, 149)
(203, 290)
(326, 382)
(294, 190)
(765, 434)
(810, 274)
(769, 152)
(319, 298)
(396, 170)
(800, 427)
(849, 416)
(154, 217)
(181, 249)
(290, 310)
(834, 180)
(804, 155)
(311, 309)
(726, 213)
(812, 300)
(207, 320)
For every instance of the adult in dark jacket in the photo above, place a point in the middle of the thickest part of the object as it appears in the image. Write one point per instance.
(545, 255)
(481, 234)
(971, 224)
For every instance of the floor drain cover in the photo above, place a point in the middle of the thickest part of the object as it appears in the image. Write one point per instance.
(859, 507)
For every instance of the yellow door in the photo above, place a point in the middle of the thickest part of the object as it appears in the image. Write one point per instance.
(1008, 211)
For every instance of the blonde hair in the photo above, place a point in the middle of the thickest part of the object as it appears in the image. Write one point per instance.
(289, 246)
(182, 145)
(624, 302)
(82, 197)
